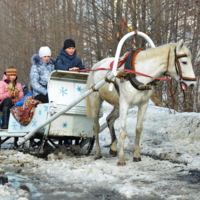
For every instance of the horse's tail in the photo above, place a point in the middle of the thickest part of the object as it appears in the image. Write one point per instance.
(88, 104)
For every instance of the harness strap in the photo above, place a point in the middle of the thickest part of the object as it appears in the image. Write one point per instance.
(130, 65)
(93, 88)
(175, 61)
(189, 79)
(121, 61)
(121, 75)
(114, 83)
(133, 58)
(137, 85)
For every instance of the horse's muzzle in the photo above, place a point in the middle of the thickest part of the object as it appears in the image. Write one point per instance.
(188, 85)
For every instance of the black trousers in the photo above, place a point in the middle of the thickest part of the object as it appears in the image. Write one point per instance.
(6, 103)
(42, 98)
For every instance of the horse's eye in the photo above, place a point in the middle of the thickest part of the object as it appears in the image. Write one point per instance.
(184, 63)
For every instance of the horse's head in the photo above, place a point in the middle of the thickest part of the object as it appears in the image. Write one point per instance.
(182, 69)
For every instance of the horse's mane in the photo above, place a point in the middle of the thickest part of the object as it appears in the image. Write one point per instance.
(158, 51)
(154, 52)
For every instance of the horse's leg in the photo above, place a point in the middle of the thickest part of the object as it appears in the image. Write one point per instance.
(123, 114)
(96, 102)
(110, 121)
(140, 116)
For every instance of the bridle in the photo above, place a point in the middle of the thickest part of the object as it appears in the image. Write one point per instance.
(179, 72)
(178, 67)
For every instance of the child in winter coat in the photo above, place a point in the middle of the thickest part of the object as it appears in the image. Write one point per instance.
(10, 93)
(42, 66)
(67, 59)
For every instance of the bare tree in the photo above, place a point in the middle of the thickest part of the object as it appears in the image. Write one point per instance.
(97, 26)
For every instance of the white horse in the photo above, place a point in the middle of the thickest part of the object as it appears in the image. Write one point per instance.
(173, 59)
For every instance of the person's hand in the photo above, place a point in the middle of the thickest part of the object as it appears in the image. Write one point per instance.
(10, 94)
(13, 94)
(74, 69)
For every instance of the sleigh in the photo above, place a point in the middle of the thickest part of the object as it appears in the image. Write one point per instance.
(70, 128)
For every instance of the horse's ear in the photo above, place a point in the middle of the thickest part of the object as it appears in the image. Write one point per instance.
(180, 45)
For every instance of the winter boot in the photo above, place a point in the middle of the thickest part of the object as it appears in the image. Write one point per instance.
(5, 118)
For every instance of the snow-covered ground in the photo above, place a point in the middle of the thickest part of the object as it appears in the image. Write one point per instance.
(170, 166)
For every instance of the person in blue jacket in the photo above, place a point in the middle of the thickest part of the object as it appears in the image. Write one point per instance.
(67, 59)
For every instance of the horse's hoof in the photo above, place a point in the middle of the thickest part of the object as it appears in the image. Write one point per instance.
(121, 163)
(97, 157)
(136, 159)
(113, 153)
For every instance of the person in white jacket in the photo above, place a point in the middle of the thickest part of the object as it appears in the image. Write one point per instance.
(42, 66)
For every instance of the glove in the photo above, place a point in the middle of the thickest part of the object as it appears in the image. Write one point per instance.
(14, 93)
(11, 86)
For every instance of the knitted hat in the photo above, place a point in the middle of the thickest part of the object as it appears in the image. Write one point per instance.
(44, 51)
(69, 43)
(11, 71)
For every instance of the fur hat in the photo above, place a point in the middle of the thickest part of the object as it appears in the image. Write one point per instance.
(69, 43)
(11, 71)
(44, 51)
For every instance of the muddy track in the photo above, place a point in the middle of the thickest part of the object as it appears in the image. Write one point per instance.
(80, 177)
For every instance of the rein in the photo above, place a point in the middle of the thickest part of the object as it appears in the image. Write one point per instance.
(125, 70)
(129, 72)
